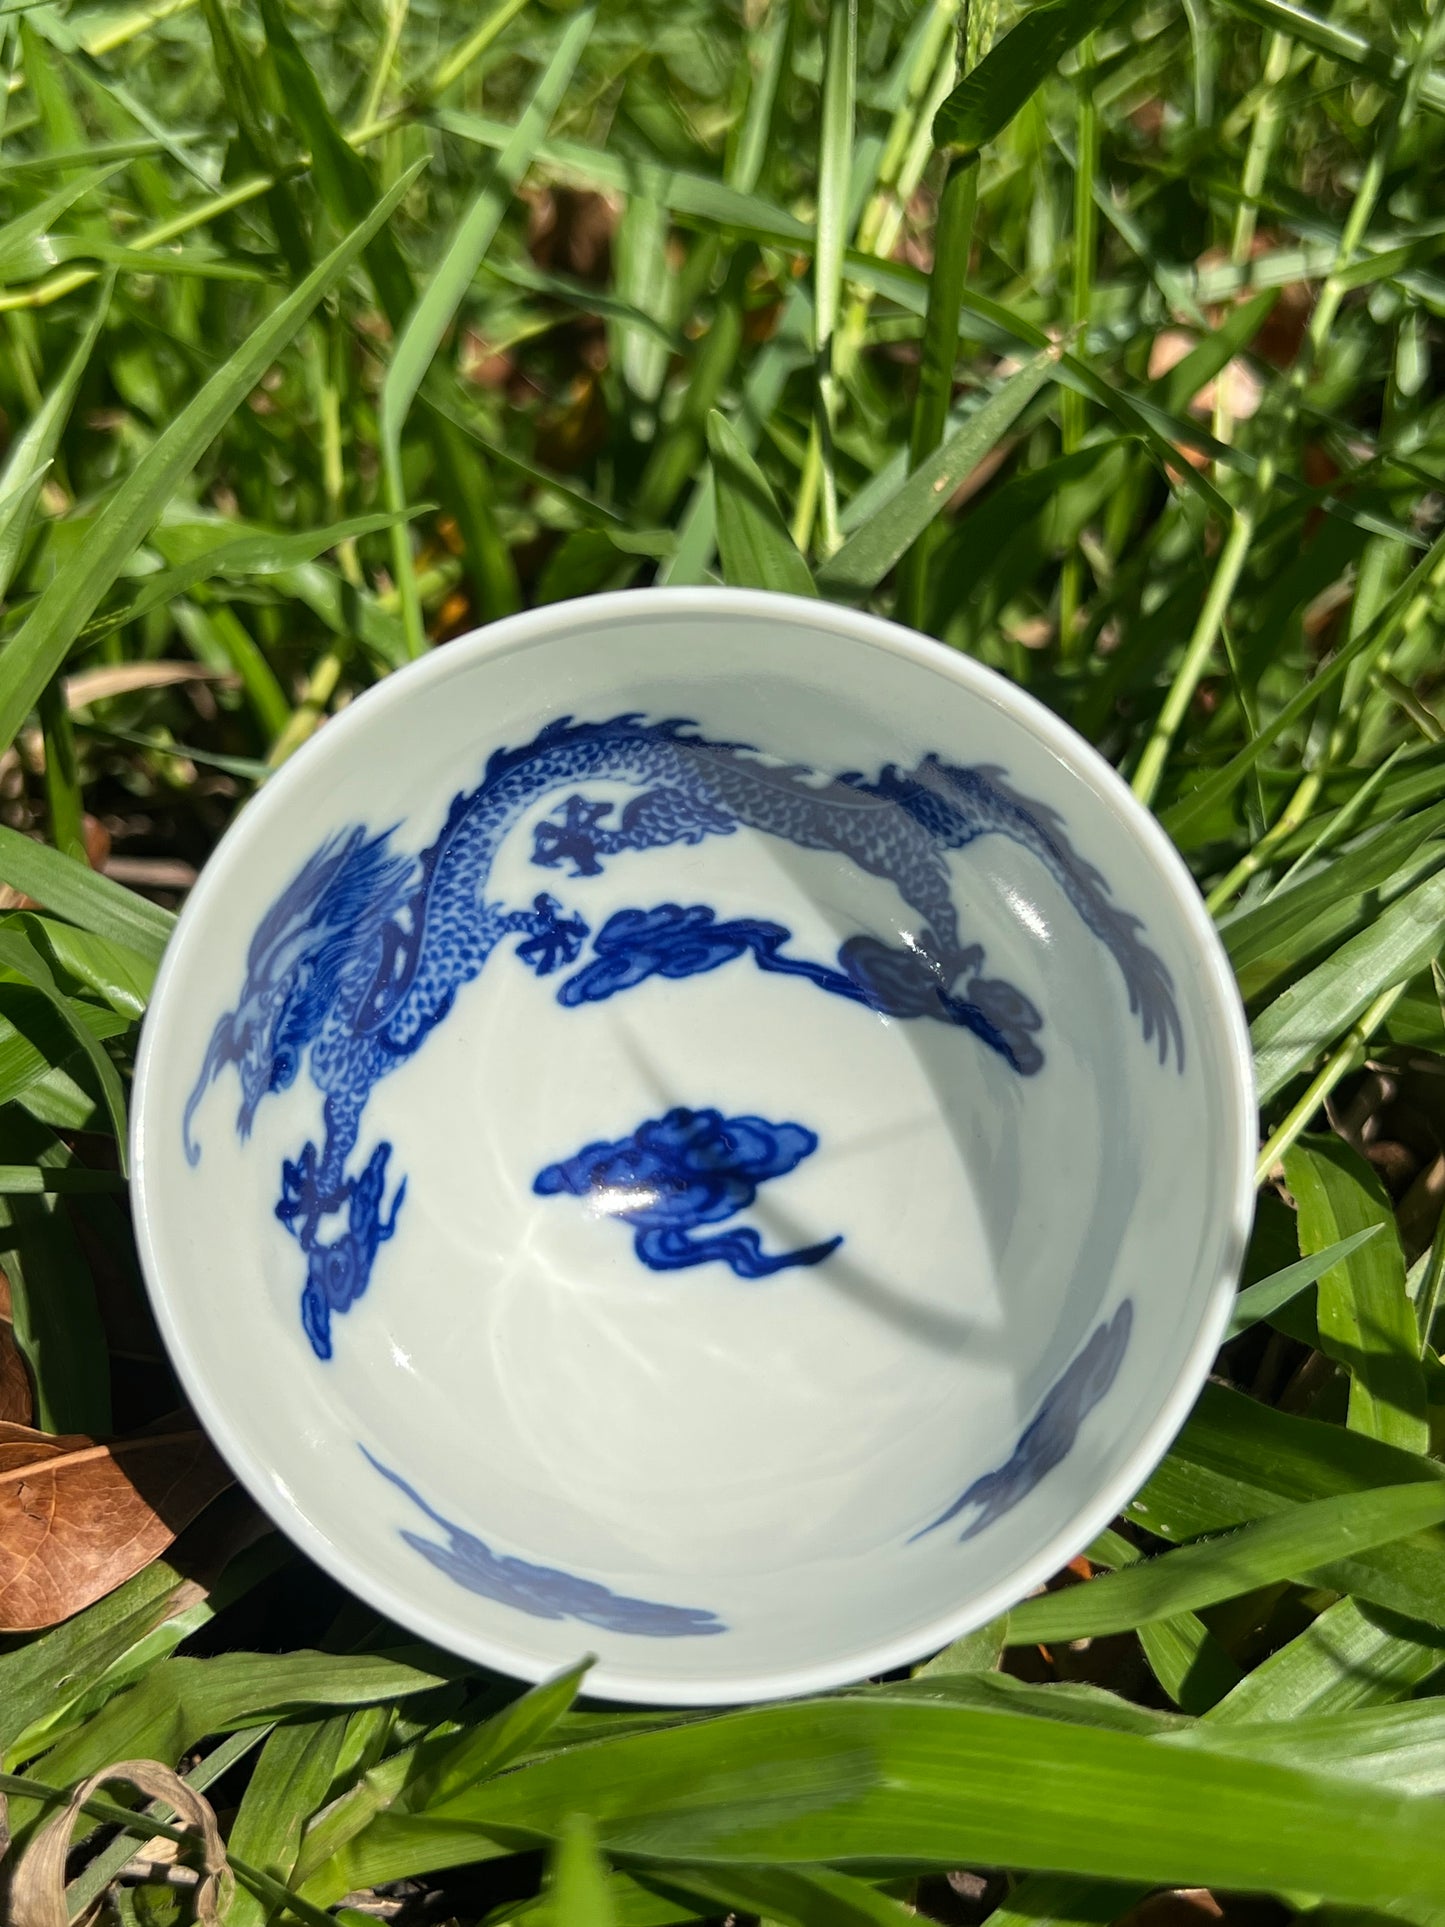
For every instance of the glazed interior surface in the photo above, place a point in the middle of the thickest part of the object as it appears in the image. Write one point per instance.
(708, 1137)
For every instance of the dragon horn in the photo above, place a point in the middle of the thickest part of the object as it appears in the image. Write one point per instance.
(219, 1052)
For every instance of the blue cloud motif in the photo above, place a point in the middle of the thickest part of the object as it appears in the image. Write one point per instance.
(543, 1591)
(683, 1170)
(674, 941)
(1049, 1438)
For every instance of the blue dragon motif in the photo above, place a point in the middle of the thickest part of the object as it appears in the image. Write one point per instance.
(683, 1170)
(364, 952)
(545, 1592)
(1048, 1438)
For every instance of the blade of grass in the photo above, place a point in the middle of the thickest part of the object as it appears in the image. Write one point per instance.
(241, 84)
(577, 1893)
(757, 550)
(1343, 1659)
(396, 12)
(1366, 1320)
(1197, 653)
(33, 1180)
(953, 238)
(290, 1780)
(835, 148)
(40, 646)
(1347, 1657)
(64, 803)
(645, 281)
(998, 81)
(1072, 418)
(259, 552)
(1290, 1545)
(1277, 938)
(194, 1698)
(817, 1899)
(1337, 42)
(429, 320)
(1347, 1056)
(496, 1742)
(682, 445)
(774, 45)
(867, 555)
(1321, 1005)
(455, 63)
(22, 957)
(33, 449)
(74, 891)
(1192, 1666)
(1273, 1293)
(344, 182)
(937, 1785)
(220, 640)
(1238, 1460)
(1405, 611)
(762, 390)
(18, 235)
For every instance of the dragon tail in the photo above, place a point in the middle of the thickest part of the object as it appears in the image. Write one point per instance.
(994, 805)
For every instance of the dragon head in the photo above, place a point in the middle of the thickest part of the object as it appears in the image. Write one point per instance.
(319, 931)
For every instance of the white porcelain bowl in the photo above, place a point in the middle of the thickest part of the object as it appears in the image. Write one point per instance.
(696, 1126)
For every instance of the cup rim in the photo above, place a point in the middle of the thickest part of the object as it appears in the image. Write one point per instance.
(532, 628)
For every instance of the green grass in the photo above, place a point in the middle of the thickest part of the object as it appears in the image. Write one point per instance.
(331, 332)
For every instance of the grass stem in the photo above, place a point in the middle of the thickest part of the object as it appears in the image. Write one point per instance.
(1346, 1057)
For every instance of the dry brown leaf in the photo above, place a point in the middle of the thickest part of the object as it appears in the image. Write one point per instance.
(122, 678)
(37, 1895)
(571, 228)
(78, 1517)
(1183, 1907)
(17, 1401)
(151, 872)
(1241, 387)
(97, 841)
(17, 1398)
(570, 434)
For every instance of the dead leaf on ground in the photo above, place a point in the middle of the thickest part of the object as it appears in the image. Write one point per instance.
(151, 872)
(484, 366)
(1278, 340)
(453, 618)
(124, 678)
(97, 841)
(1185, 1907)
(1149, 119)
(78, 1516)
(979, 477)
(570, 434)
(37, 1897)
(1241, 387)
(17, 1401)
(570, 229)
